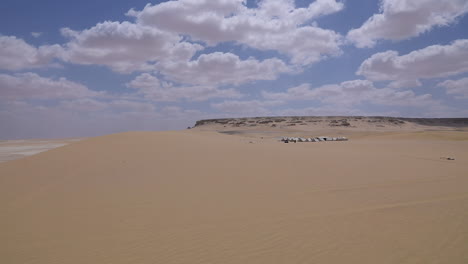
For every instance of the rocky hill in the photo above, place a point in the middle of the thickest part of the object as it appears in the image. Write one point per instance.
(333, 122)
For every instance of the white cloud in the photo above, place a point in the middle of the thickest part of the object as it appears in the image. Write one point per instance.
(32, 86)
(404, 84)
(401, 19)
(430, 62)
(115, 106)
(83, 105)
(89, 117)
(176, 112)
(154, 89)
(223, 68)
(459, 88)
(351, 93)
(326, 110)
(131, 106)
(344, 93)
(36, 34)
(274, 25)
(305, 45)
(16, 54)
(286, 9)
(82, 117)
(125, 47)
(157, 41)
(251, 107)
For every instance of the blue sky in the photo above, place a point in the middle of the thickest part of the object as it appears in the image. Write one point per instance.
(88, 68)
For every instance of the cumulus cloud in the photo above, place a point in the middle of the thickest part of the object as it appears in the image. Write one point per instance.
(114, 106)
(430, 62)
(125, 47)
(87, 117)
(131, 106)
(176, 112)
(351, 93)
(346, 92)
(32, 86)
(155, 89)
(404, 84)
(305, 45)
(274, 25)
(223, 68)
(250, 107)
(36, 34)
(16, 54)
(401, 19)
(162, 39)
(327, 110)
(458, 88)
(83, 105)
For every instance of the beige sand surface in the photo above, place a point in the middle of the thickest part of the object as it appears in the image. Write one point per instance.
(204, 197)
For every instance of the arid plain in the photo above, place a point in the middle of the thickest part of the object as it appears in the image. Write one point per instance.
(227, 191)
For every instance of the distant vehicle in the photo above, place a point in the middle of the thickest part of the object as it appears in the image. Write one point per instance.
(315, 139)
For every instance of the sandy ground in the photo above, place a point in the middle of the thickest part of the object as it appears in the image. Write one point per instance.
(205, 197)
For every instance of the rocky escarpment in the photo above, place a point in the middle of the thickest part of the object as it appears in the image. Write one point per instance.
(333, 121)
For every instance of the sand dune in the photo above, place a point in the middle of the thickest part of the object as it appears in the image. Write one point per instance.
(204, 197)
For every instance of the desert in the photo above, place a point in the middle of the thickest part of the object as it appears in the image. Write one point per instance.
(234, 132)
(225, 192)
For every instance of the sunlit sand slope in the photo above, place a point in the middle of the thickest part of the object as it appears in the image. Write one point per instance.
(203, 197)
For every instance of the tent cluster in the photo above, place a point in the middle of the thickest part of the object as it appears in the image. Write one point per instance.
(315, 139)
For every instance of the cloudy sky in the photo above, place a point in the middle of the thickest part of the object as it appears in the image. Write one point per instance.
(85, 68)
